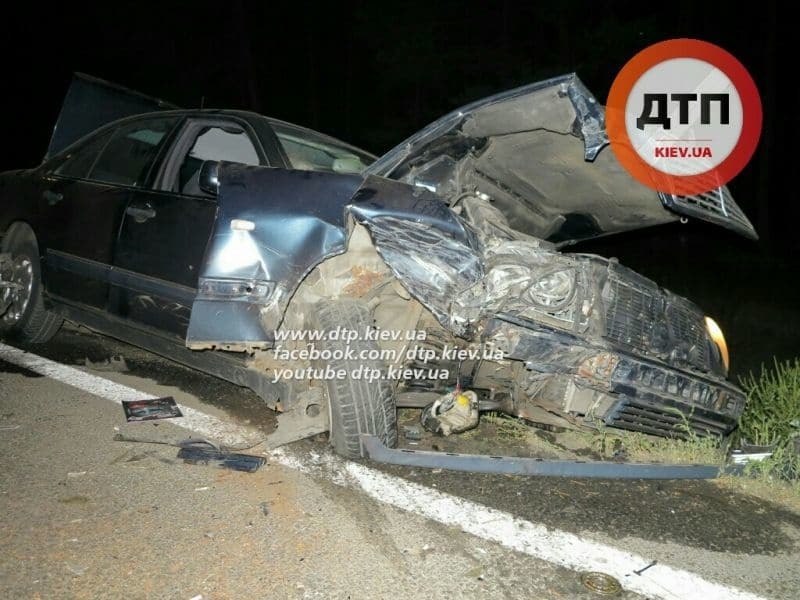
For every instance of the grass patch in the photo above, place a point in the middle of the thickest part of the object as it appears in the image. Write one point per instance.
(508, 428)
(637, 447)
(772, 418)
(772, 414)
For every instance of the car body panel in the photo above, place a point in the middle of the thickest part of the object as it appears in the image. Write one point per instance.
(538, 151)
(298, 218)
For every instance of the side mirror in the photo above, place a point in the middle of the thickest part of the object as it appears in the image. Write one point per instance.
(209, 177)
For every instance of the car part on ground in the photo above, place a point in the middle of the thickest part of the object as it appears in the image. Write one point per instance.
(455, 412)
(203, 453)
(509, 465)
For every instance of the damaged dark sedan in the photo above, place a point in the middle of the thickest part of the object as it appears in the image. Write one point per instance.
(340, 287)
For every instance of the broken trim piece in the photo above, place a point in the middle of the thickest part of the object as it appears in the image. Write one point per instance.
(512, 465)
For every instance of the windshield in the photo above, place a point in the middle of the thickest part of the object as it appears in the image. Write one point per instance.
(311, 151)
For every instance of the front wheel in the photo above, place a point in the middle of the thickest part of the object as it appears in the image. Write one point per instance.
(357, 405)
(24, 316)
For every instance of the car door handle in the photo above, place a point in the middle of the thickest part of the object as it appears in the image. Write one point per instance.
(52, 197)
(141, 214)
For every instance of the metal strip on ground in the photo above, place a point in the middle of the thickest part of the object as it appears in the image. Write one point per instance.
(516, 465)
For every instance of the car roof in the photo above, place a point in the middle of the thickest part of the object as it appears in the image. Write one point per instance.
(245, 115)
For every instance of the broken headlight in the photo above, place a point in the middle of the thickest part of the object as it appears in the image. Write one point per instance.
(553, 291)
(715, 333)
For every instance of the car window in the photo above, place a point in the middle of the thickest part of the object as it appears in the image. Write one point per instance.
(78, 163)
(217, 143)
(310, 151)
(129, 154)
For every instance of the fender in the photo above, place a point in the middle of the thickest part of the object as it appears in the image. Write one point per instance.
(273, 226)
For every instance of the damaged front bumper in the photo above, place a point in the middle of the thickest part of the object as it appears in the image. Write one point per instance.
(512, 465)
(569, 377)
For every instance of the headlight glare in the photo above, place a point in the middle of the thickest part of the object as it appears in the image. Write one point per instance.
(715, 333)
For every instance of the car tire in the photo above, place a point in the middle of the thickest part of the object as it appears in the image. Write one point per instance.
(27, 319)
(356, 405)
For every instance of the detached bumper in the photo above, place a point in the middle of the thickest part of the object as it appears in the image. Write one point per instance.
(604, 383)
(511, 465)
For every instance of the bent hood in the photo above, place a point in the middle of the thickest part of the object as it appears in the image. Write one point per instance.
(538, 153)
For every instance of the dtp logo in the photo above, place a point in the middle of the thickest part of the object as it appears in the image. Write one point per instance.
(683, 116)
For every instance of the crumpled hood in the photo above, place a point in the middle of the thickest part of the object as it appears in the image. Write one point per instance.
(538, 154)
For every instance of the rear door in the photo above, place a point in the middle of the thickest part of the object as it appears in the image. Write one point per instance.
(165, 229)
(84, 195)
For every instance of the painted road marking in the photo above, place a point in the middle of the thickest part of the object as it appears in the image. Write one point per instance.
(194, 420)
(554, 546)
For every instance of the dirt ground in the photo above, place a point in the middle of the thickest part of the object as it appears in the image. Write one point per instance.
(85, 516)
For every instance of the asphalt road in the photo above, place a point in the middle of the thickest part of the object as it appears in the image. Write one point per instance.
(86, 516)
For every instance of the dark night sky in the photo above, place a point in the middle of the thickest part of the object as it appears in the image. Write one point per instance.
(368, 72)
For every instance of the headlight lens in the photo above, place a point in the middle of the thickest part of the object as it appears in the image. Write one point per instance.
(553, 291)
(716, 335)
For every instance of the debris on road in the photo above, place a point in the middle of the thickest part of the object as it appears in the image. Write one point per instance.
(116, 364)
(206, 454)
(149, 410)
(746, 454)
(453, 412)
(601, 584)
(644, 568)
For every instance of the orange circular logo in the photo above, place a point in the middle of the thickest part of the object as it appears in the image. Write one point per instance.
(683, 116)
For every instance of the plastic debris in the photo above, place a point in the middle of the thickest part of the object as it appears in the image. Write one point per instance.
(202, 454)
(454, 412)
(150, 409)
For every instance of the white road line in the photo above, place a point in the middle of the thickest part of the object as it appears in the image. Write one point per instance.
(554, 546)
(551, 545)
(225, 433)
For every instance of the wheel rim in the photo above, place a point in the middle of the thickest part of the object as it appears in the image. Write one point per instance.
(19, 293)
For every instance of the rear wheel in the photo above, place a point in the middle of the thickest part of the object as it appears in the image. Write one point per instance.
(25, 317)
(363, 405)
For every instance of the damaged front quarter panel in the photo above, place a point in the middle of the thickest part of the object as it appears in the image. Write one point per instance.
(433, 252)
(273, 226)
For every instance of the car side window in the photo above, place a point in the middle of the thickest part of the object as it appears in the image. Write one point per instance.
(131, 151)
(310, 151)
(217, 143)
(78, 164)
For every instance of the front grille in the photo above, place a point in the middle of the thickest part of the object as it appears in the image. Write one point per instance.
(687, 331)
(716, 206)
(632, 313)
(659, 420)
(654, 322)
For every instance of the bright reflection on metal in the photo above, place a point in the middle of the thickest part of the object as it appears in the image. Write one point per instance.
(716, 334)
(239, 251)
